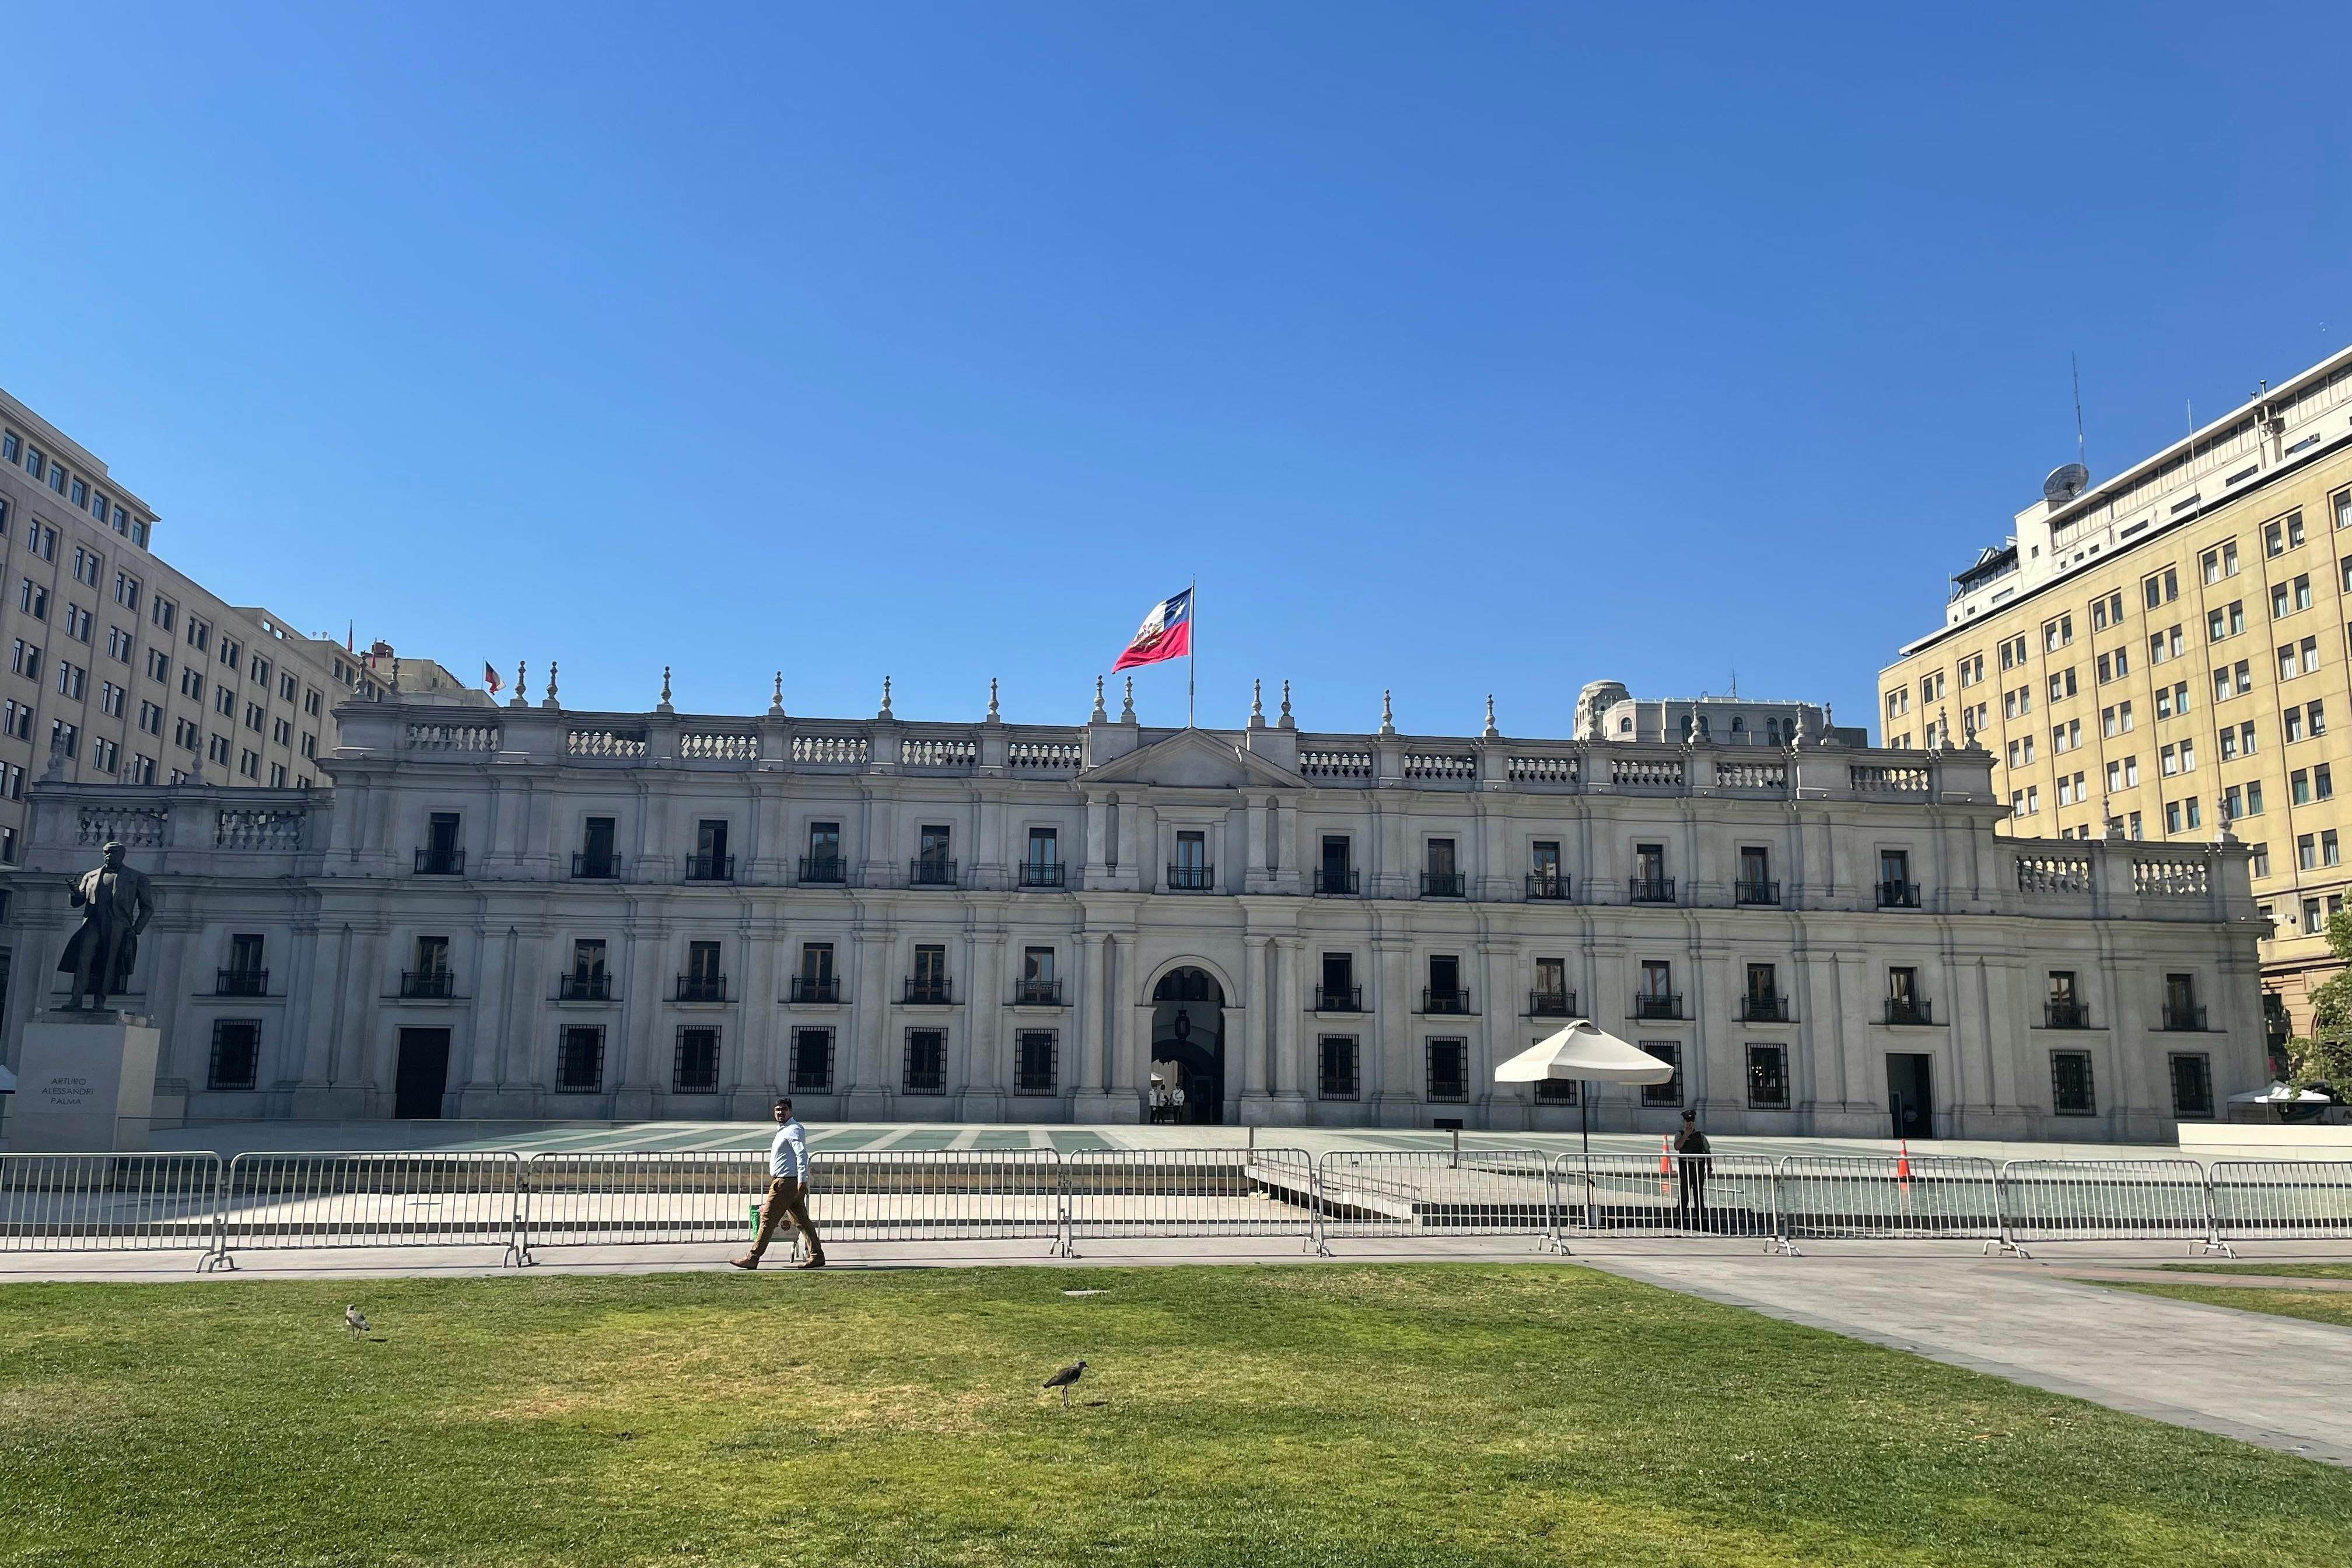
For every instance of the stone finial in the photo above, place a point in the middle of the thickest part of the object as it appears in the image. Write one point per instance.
(55, 772)
(520, 698)
(395, 675)
(2222, 832)
(1828, 724)
(663, 706)
(1490, 732)
(1126, 708)
(1286, 721)
(2112, 829)
(551, 701)
(776, 702)
(1388, 715)
(994, 717)
(1101, 715)
(886, 712)
(1257, 705)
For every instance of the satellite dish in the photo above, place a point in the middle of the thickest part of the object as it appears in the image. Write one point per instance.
(2065, 484)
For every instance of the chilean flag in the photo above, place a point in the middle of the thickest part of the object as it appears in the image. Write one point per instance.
(1166, 633)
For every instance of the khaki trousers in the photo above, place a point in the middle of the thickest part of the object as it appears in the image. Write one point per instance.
(785, 1197)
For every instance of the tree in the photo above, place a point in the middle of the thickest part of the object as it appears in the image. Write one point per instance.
(2324, 1056)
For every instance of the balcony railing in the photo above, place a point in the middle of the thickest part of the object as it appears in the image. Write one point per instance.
(241, 983)
(1649, 890)
(583, 988)
(701, 988)
(1656, 1005)
(2066, 1015)
(1455, 1001)
(1441, 884)
(927, 871)
(1898, 895)
(427, 984)
(1040, 873)
(1763, 1009)
(711, 868)
(1755, 893)
(822, 868)
(1338, 998)
(1333, 883)
(930, 993)
(587, 868)
(1547, 885)
(1038, 994)
(1192, 879)
(440, 862)
(826, 988)
(1551, 1004)
(1906, 1010)
(2183, 1020)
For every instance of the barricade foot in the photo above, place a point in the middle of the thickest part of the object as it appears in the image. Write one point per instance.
(1999, 1247)
(2207, 1248)
(212, 1260)
(1783, 1245)
(516, 1257)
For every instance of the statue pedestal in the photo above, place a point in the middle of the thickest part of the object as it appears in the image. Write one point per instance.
(85, 1083)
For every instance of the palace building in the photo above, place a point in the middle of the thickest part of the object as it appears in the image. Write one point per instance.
(534, 912)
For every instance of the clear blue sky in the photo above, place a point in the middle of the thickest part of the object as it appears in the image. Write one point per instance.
(1456, 348)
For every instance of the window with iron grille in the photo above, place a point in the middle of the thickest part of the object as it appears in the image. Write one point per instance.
(1671, 1091)
(1036, 1057)
(1768, 1078)
(1555, 1091)
(580, 1059)
(1337, 1058)
(2192, 1086)
(236, 1053)
(927, 1061)
(813, 1061)
(696, 1069)
(1449, 1069)
(2070, 1084)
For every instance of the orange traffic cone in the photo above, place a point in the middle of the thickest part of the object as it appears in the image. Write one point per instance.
(1666, 1166)
(1903, 1163)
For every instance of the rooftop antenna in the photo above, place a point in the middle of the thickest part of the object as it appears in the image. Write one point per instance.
(2076, 366)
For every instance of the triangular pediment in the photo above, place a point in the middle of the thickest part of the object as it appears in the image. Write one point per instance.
(1194, 759)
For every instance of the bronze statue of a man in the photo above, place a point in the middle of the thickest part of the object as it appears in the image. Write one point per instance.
(100, 955)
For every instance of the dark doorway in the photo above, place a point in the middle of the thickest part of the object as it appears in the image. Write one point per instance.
(1911, 1093)
(1188, 1028)
(423, 1073)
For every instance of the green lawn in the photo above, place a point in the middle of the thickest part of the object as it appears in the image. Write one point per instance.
(1425, 1415)
(2298, 1270)
(2319, 1306)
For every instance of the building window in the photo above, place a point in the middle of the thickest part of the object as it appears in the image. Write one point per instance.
(236, 1054)
(2070, 1084)
(1768, 1078)
(813, 1061)
(1336, 1067)
(580, 1059)
(929, 980)
(927, 1061)
(1034, 1061)
(1555, 1091)
(1442, 875)
(1043, 869)
(694, 1069)
(1671, 1091)
(1449, 1069)
(823, 863)
(1038, 985)
(703, 981)
(2192, 1088)
(1190, 871)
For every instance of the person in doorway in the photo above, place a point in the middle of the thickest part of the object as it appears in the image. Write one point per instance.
(1690, 1206)
(788, 1173)
(1176, 1103)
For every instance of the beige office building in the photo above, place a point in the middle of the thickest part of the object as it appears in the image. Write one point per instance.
(2164, 650)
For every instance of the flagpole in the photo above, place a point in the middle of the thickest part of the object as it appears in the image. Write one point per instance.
(1191, 648)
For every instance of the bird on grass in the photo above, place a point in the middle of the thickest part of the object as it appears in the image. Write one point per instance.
(355, 1321)
(1064, 1378)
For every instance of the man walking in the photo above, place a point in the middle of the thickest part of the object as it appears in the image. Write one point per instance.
(1691, 1206)
(788, 1172)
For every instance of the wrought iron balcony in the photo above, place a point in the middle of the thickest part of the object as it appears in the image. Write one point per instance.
(1192, 879)
(1551, 1004)
(241, 983)
(596, 987)
(2066, 1015)
(1336, 883)
(440, 862)
(1649, 890)
(1906, 1010)
(2183, 1020)
(1764, 1009)
(1898, 895)
(1441, 884)
(711, 868)
(826, 988)
(427, 984)
(701, 988)
(930, 993)
(1040, 873)
(587, 868)
(1649, 1004)
(822, 868)
(1455, 1001)
(1338, 998)
(1038, 994)
(1551, 885)
(929, 872)
(1755, 893)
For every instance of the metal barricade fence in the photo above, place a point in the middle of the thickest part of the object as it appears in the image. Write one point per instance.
(2281, 1200)
(938, 1194)
(1886, 1197)
(2105, 1200)
(325, 1199)
(1653, 1195)
(1190, 1192)
(622, 1198)
(111, 1203)
(1362, 1193)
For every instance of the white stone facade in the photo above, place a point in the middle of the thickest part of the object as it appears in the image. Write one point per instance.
(323, 946)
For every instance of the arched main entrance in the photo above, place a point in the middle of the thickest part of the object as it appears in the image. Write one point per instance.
(1187, 1034)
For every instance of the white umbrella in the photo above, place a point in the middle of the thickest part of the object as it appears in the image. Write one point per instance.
(2280, 1094)
(1588, 1055)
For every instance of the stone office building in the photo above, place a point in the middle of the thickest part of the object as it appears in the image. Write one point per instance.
(530, 912)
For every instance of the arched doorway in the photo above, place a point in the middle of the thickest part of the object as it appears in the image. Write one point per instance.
(1188, 1035)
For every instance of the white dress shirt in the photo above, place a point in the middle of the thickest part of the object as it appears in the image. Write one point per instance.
(788, 1155)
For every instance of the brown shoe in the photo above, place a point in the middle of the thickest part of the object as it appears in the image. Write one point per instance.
(749, 1261)
(813, 1260)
